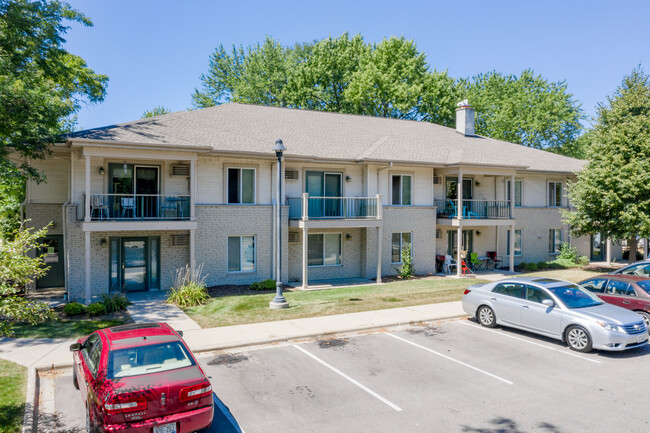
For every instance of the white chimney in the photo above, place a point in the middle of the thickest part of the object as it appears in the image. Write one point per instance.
(465, 118)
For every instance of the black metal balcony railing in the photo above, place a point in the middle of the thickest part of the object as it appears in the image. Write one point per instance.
(333, 207)
(474, 209)
(133, 207)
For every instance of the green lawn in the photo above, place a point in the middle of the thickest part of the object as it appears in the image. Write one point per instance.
(13, 383)
(63, 328)
(574, 274)
(236, 310)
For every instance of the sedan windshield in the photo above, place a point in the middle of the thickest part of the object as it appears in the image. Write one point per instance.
(645, 285)
(574, 296)
(154, 358)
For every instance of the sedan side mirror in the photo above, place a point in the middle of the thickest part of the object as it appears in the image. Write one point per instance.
(75, 347)
(548, 302)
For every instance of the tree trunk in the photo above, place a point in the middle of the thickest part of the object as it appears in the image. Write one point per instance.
(632, 243)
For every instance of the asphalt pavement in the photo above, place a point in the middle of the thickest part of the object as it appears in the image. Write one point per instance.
(441, 377)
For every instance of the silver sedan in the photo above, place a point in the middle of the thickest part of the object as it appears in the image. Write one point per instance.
(556, 309)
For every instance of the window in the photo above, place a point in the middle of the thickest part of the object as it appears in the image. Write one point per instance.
(91, 352)
(597, 285)
(509, 289)
(398, 244)
(518, 243)
(519, 192)
(536, 294)
(241, 253)
(324, 249)
(138, 360)
(452, 244)
(554, 241)
(555, 194)
(241, 185)
(401, 190)
(451, 183)
(641, 269)
(615, 287)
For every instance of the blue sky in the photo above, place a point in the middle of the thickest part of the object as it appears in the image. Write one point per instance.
(155, 50)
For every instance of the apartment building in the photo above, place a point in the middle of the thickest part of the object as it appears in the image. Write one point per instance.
(131, 203)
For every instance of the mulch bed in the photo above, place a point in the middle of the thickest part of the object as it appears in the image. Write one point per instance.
(603, 269)
(115, 315)
(234, 290)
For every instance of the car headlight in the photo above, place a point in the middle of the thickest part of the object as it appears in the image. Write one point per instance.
(612, 327)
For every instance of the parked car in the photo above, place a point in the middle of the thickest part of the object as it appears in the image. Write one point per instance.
(556, 309)
(631, 292)
(141, 378)
(641, 268)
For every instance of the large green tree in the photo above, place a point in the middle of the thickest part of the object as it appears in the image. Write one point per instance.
(525, 109)
(612, 192)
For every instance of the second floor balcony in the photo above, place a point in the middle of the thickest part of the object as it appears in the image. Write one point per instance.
(138, 207)
(308, 208)
(473, 209)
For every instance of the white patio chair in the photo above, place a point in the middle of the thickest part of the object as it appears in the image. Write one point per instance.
(128, 205)
(98, 208)
(449, 264)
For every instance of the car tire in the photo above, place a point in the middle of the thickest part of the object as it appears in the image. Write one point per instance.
(646, 318)
(486, 317)
(578, 339)
(75, 382)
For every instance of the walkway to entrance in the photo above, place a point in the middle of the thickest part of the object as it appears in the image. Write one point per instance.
(151, 307)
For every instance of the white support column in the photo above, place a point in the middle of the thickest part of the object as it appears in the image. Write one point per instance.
(496, 243)
(511, 247)
(192, 189)
(380, 233)
(645, 249)
(459, 247)
(305, 206)
(380, 209)
(192, 249)
(459, 196)
(87, 205)
(87, 245)
(512, 196)
(305, 258)
(609, 252)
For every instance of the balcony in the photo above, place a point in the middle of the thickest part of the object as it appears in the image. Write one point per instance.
(326, 211)
(474, 209)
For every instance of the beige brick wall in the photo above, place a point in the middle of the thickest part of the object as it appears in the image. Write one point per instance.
(421, 221)
(43, 214)
(217, 222)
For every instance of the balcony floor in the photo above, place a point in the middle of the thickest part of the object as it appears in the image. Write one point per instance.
(335, 223)
(474, 222)
(138, 225)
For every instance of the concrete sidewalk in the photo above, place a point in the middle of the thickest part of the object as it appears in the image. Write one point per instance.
(147, 307)
(44, 353)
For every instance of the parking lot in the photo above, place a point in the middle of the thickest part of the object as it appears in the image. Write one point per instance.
(445, 377)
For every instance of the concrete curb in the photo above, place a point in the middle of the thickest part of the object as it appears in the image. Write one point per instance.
(30, 418)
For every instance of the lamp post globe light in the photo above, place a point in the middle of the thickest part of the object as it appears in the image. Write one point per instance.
(278, 301)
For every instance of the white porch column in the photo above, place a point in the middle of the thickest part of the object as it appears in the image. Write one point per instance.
(459, 246)
(380, 233)
(87, 245)
(511, 256)
(87, 205)
(305, 206)
(459, 196)
(192, 248)
(192, 191)
(609, 252)
(645, 249)
(379, 207)
(512, 196)
(305, 258)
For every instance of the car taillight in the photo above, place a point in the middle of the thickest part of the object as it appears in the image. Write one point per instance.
(466, 291)
(195, 391)
(118, 403)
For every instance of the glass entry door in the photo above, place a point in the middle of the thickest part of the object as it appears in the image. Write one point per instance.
(134, 190)
(328, 186)
(134, 264)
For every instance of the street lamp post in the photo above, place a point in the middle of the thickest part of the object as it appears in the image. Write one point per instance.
(279, 301)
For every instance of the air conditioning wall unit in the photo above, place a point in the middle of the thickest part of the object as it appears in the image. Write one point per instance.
(180, 170)
(436, 180)
(291, 174)
(294, 237)
(180, 240)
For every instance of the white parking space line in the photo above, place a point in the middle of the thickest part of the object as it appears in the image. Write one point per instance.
(339, 372)
(531, 342)
(452, 359)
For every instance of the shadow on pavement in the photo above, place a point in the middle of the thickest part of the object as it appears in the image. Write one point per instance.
(223, 420)
(506, 425)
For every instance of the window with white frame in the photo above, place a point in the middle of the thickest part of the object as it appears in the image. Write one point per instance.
(241, 185)
(241, 253)
(519, 192)
(324, 249)
(555, 194)
(518, 242)
(554, 241)
(401, 189)
(399, 241)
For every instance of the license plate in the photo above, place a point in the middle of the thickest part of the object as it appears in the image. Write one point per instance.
(165, 428)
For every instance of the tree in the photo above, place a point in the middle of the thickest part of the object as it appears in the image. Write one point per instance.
(156, 111)
(41, 85)
(17, 270)
(527, 109)
(612, 193)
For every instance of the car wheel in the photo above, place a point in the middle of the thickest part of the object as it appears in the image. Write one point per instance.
(646, 318)
(75, 382)
(486, 316)
(578, 339)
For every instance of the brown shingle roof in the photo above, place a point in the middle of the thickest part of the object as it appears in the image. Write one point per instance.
(315, 134)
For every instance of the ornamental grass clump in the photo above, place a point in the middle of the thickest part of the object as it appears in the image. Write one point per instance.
(189, 288)
(115, 302)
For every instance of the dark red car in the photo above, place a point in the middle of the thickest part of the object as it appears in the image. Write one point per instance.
(141, 378)
(627, 291)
